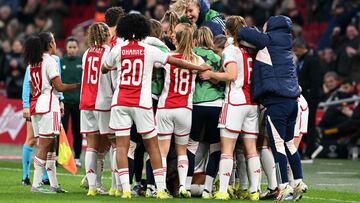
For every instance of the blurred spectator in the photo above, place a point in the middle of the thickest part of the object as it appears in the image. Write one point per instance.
(159, 11)
(56, 10)
(331, 84)
(319, 10)
(30, 9)
(348, 52)
(327, 60)
(263, 10)
(29, 30)
(13, 29)
(16, 71)
(80, 34)
(289, 8)
(310, 79)
(337, 114)
(5, 15)
(42, 23)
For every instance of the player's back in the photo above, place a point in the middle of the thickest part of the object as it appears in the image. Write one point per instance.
(134, 61)
(237, 92)
(96, 91)
(179, 86)
(44, 97)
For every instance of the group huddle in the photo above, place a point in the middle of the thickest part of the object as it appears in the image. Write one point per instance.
(135, 91)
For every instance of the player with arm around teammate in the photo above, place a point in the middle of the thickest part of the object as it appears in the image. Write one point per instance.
(132, 102)
(239, 113)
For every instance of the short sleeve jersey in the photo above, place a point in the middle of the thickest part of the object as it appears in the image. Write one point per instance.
(179, 86)
(238, 92)
(134, 62)
(96, 88)
(44, 97)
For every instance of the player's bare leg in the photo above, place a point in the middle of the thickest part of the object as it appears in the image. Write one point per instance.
(91, 161)
(45, 144)
(104, 146)
(51, 170)
(115, 181)
(152, 148)
(182, 167)
(164, 146)
(27, 151)
(122, 148)
(227, 145)
(253, 165)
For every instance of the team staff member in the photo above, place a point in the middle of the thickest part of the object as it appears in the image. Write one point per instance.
(71, 73)
(275, 86)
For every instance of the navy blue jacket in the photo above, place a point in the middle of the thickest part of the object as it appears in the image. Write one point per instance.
(274, 71)
(210, 18)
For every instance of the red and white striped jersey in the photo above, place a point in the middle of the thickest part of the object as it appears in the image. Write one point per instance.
(115, 40)
(96, 91)
(179, 86)
(44, 97)
(238, 92)
(134, 61)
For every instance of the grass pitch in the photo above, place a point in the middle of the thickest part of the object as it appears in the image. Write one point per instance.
(328, 181)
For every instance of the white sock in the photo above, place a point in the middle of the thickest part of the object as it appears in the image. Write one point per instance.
(241, 168)
(159, 179)
(113, 168)
(283, 185)
(123, 174)
(297, 181)
(90, 167)
(188, 182)
(51, 169)
(254, 169)
(99, 169)
(225, 169)
(208, 185)
(117, 178)
(39, 165)
(164, 165)
(290, 176)
(182, 166)
(268, 164)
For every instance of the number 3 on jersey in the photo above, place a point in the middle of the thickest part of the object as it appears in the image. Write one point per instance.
(131, 72)
(181, 78)
(93, 70)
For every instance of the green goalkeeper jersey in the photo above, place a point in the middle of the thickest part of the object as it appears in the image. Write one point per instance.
(158, 73)
(205, 91)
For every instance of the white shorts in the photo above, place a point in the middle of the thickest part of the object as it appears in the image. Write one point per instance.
(301, 124)
(174, 121)
(95, 121)
(46, 125)
(239, 119)
(122, 118)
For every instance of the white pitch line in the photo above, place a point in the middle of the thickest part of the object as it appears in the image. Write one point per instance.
(336, 173)
(333, 185)
(333, 200)
(332, 164)
(60, 174)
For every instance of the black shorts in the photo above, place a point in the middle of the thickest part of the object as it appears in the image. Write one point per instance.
(204, 124)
